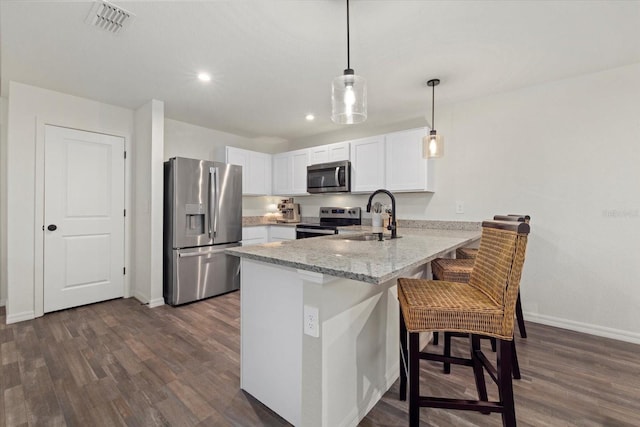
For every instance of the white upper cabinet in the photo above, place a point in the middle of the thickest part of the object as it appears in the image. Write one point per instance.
(406, 170)
(367, 164)
(290, 173)
(329, 153)
(392, 161)
(256, 170)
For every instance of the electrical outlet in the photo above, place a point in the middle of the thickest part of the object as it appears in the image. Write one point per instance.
(311, 321)
(459, 207)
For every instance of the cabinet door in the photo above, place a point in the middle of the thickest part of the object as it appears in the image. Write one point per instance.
(259, 174)
(406, 170)
(279, 233)
(281, 174)
(256, 170)
(338, 151)
(367, 164)
(254, 235)
(299, 163)
(318, 154)
(237, 156)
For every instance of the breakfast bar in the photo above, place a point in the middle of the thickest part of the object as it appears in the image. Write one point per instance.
(319, 319)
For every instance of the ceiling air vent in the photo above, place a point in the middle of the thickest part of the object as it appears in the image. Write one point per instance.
(109, 17)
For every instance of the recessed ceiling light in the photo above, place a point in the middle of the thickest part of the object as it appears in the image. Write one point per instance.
(204, 77)
(310, 117)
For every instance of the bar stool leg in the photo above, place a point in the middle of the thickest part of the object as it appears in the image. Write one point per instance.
(403, 358)
(435, 338)
(447, 352)
(414, 379)
(520, 318)
(478, 370)
(505, 388)
(515, 366)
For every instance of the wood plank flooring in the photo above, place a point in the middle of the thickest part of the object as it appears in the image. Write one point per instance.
(120, 363)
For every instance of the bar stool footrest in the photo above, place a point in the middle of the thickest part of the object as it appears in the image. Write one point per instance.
(462, 404)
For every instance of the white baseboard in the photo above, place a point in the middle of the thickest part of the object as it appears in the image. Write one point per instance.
(600, 331)
(156, 302)
(20, 317)
(144, 299)
(356, 415)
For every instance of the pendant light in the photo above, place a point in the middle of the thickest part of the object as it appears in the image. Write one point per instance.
(348, 93)
(433, 144)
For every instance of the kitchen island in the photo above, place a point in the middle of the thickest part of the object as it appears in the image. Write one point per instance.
(319, 320)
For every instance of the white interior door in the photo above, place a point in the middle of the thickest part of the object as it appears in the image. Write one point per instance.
(83, 218)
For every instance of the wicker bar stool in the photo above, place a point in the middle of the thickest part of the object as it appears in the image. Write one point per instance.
(466, 253)
(459, 270)
(483, 307)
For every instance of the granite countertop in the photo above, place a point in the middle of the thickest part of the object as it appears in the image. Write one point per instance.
(367, 261)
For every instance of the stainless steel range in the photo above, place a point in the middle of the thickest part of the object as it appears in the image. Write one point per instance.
(330, 219)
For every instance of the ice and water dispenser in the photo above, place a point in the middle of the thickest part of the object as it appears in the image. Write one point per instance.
(195, 219)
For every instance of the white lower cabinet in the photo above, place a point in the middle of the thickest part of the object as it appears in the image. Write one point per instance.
(255, 235)
(258, 234)
(280, 232)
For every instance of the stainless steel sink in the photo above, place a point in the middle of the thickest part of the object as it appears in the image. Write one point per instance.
(365, 237)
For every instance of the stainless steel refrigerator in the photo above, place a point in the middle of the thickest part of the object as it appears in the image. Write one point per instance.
(202, 218)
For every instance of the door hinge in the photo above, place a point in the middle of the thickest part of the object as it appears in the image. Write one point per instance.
(124, 270)
(125, 154)
(125, 212)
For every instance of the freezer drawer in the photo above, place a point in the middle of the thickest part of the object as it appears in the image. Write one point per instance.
(198, 273)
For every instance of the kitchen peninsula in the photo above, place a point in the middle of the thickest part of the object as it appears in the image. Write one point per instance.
(319, 320)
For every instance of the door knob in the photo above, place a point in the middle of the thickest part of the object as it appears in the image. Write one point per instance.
(52, 227)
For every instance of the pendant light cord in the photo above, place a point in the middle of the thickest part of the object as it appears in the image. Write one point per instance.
(433, 103)
(348, 49)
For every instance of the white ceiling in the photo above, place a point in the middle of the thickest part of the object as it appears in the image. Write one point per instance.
(273, 61)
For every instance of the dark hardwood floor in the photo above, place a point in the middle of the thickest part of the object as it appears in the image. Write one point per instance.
(120, 363)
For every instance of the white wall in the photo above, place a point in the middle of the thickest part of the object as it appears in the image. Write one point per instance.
(196, 142)
(186, 140)
(3, 201)
(29, 109)
(148, 157)
(566, 153)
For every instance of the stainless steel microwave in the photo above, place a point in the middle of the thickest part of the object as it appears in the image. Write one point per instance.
(334, 177)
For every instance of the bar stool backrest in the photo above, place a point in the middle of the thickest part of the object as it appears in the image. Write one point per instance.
(512, 217)
(498, 266)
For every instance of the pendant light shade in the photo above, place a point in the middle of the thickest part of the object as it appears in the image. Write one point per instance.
(433, 144)
(349, 99)
(348, 93)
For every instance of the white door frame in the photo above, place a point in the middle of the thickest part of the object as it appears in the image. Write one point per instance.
(38, 291)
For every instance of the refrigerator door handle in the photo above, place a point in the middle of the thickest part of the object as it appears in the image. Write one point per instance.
(213, 201)
(192, 254)
(209, 198)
